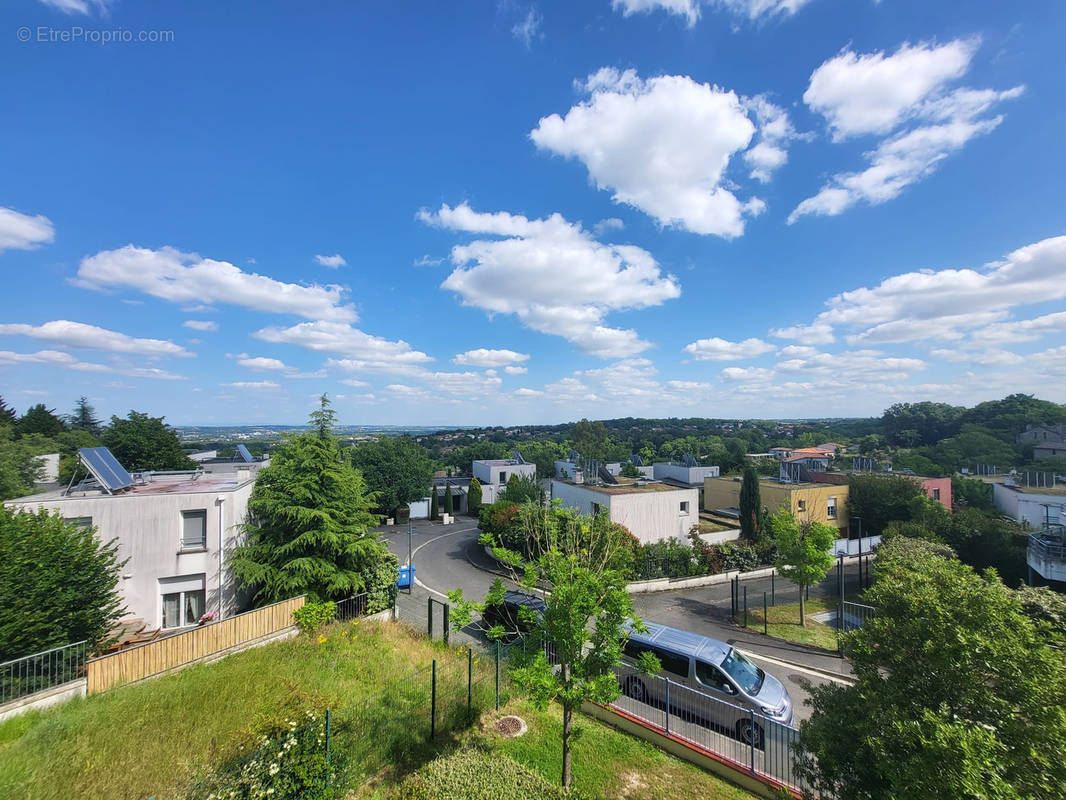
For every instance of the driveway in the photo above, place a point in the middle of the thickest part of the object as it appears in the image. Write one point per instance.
(448, 557)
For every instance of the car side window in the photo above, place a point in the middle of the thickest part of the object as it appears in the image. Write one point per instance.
(671, 663)
(711, 676)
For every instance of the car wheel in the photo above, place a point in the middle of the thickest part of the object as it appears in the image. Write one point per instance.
(634, 688)
(749, 734)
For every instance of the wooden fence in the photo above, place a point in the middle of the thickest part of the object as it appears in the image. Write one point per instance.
(153, 658)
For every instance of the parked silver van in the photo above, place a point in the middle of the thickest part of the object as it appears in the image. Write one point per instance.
(714, 670)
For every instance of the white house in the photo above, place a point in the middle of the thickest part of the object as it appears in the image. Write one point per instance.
(175, 529)
(679, 472)
(1033, 506)
(493, 475)
(651, 511)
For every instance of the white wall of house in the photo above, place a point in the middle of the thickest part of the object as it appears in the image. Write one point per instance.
(149, 530)
(1029, 507)
(490, 473)
(649, 515)
(693, 476)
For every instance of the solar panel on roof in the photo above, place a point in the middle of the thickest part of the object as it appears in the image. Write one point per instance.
(689, 461)
(242, 451)
(105, 468)
(518, 457)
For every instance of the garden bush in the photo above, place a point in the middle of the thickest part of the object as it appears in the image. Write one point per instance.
(738, 555)
(312, 616)
(476, 774)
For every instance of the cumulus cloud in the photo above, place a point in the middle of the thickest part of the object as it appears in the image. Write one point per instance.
(179, 277)
(770, 150)
(363, 351)
(690, 9)
(58, 358)
(515, 370)
(23, 232)
(526, 392)
(553, 276)
(254, 385)
(489, 358)
(201, 324)
(990, 357)
(607, 225)
(354, 382)
(865, 364)
(261, 362)
(817, 333)
(661, 145)
(906, 95)
(78, 335)
(716, 349)
(333, 262)
(750, 374)
(1025, 330)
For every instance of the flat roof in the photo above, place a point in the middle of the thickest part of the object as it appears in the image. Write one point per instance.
(1057, 489)
(151, 484)
(503, 462)
(637, 487)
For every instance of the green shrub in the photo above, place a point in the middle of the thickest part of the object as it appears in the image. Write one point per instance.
(291, 764)
(380, 579)
(738, 555)
(475, 774)
(668, 558)
(312, 616)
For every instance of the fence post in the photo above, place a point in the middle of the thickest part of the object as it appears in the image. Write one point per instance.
(667, 706)
(469, 678)
(752, 712)
(840, 611)
(447, 621)
(433, 705)
(773, 588)
(497, 674)
(429, 605)
(765, 616)
(745, 606)
(329, 731)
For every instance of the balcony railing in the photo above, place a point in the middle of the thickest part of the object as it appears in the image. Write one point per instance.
(1047, 546)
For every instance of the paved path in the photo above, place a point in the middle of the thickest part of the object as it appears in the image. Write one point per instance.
(448, 557)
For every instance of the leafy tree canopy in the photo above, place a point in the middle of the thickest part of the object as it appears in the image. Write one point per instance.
(141, 442)
(750, 506)
(880, 499)
(803, 551)
(58, 584)
(84, 418)
(958, 693)
(928, 422)
(396, 468)
(589, 439)
(39, 419)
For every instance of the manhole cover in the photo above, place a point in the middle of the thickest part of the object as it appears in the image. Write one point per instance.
(510, 726)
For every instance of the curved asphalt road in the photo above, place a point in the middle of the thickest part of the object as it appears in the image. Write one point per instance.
(448, 557)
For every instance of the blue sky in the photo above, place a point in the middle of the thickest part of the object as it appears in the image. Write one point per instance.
(511, 212)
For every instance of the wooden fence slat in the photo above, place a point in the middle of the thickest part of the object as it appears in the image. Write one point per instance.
(153, 658)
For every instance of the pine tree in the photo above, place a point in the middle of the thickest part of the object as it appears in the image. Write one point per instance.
(39, 419)
(84, 417)
(7, 414)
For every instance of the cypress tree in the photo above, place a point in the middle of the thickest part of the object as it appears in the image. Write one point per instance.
(750, 506)
(433, 502)
(448, 505)
(474, 496)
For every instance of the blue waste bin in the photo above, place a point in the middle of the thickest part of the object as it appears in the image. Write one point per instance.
(407, 575)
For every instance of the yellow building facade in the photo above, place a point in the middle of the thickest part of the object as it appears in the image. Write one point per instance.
(808, 502)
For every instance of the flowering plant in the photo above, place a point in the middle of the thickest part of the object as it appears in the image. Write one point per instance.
(208, 617)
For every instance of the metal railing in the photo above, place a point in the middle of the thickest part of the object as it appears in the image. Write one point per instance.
(854, 615)
(353, 607)
(40, 671)
(1047, 547)
(752, 741)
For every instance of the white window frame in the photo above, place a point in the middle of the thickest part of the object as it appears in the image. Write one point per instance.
(683, 509)
(182, 546)
(831, 508)
(182, 586)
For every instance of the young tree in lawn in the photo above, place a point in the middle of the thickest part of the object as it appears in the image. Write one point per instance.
(141, 442)
(958, 692)
(473, 496)
(586, 621)
(58, 583)
(750, 506)
(803, 551)
(310, 516)
(449, 505)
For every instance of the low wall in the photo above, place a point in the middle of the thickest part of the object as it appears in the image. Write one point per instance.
(720, 537)
(666, 584)
(49, 697)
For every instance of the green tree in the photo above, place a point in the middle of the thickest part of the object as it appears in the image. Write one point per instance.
(880, 499)
(630, 471)
(522, 489)
(434, 509)
(84, 418)
(957, 693)
(39, 419)
(7, 414)
(449, 505)
(750, 506)
(57, 583)
(474, 496)
(309, 531)
(141, 442)
(586, 619)
(803, 551)
(931, 421)
(589, 439)
(396, 468)
(19, 467)
(975, 444)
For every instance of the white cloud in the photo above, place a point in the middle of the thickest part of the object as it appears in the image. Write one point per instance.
(853, 365)
(333, 262)
(515, 370)
(945, 328)
(257, 386)
(353, 382)
(775, 132)
(877, 94)
(1025, 330)
(525, 392)
(716, 349)
(751, 374)
(188, 278)
(201, 324)
(79, 6)
(796, 351)
(363, 351)
(689, 386)
(661, 145)
(690, 9)
(261, 362)
(528, 29)
(990, 357)
(489, 358)
(427, 261)
(818, 333)
(607, 225)
(872, 93)
(57, 358)
(570, 390)
(78, 335)
(553, 276)
(23, 232)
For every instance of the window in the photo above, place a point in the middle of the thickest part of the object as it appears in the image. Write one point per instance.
(79, 522)
(711, 676)
(684, 507)
(831, 508)
(503, 478)
(194, 530)
(801, 505)
(936, 494)
(183, 600)
(671, 662)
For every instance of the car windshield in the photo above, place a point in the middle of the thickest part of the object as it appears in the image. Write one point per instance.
(746, 675)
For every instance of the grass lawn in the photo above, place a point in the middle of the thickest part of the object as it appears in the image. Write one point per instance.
(783, 622)
(159, 737)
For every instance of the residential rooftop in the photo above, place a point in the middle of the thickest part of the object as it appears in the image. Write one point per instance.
(627, 486)
(147, 483)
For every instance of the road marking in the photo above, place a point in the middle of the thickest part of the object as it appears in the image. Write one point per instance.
(419, 583)
(843, 681)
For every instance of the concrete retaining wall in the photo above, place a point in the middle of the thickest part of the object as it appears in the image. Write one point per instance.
(49, 697)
